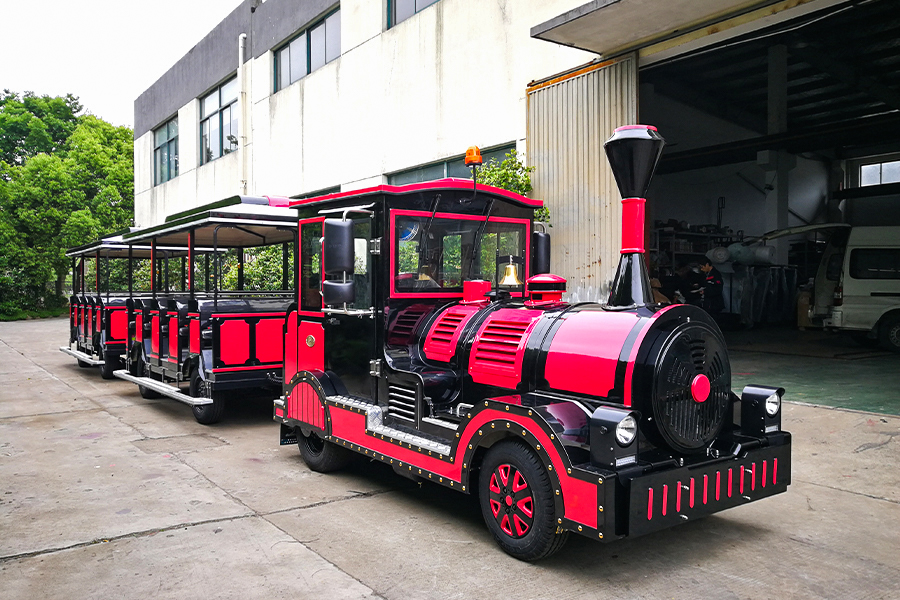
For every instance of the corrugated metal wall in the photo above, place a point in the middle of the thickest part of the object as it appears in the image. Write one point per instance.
(569, 118)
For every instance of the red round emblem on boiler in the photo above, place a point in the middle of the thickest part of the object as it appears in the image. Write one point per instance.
(700, 388)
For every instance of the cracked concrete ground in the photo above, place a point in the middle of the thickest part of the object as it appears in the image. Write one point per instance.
(104, 494)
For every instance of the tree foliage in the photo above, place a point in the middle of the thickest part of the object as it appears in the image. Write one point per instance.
(512, 175)
(65, 180)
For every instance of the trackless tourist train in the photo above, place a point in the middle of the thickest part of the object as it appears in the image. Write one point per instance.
(418, 340)
(419, 326)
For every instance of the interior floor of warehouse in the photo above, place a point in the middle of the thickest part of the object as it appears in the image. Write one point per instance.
(815, 366)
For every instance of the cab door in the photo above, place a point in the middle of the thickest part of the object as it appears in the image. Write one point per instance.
(350, 340)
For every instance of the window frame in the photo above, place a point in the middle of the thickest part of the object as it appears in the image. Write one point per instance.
(218, 116)
(306, 34)
(861, 270)
(169, 143)
(392, 11)
(457, 291)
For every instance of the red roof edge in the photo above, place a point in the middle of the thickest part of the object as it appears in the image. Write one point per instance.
(450, 183)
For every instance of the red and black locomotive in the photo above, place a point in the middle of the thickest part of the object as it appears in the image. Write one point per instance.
(414, 341)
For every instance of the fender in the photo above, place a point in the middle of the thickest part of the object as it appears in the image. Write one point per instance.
(577, 493)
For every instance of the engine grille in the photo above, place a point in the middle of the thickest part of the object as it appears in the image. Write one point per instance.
(402, 402)
(685, 423)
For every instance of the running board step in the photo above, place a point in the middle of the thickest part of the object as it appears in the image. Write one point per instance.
(375, 424)
(163, 388)
(81, 356)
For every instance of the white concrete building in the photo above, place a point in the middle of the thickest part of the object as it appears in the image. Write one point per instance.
(777, 112)
(373, 99)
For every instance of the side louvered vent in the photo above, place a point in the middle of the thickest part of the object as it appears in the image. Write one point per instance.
(401, 330)
(402, 402)
(499, 347)
(440, 344)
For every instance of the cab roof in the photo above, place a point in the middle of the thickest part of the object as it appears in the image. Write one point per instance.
(450, 183)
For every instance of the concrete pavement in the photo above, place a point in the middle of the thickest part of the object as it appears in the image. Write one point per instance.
(104, 494)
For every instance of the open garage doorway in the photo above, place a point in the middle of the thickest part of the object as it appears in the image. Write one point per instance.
(785, 126)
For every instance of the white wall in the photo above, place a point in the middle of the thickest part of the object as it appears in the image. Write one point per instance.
(451, 76)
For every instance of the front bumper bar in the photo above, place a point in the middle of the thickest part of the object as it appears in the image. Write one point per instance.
(667, 498)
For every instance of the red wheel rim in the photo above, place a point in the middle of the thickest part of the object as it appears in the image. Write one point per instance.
(511, 500)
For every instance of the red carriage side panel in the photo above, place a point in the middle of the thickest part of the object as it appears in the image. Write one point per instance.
(118, 327)
(234, 341)
(585, 351)
(138, 326)
(268, 340)
(174, 353)
(194, 333)
(496, 357)
(154, 334)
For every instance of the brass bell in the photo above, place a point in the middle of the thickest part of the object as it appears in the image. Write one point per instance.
(511, 275)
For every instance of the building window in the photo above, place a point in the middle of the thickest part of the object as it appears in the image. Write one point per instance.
(317, 45)
(165, 152)
(219, 122)
(400, 10)
(451, 167)
(879, 173)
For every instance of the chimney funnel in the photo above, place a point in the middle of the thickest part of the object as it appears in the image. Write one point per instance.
(633, 152)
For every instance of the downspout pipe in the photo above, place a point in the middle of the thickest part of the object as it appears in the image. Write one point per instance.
(242, 109)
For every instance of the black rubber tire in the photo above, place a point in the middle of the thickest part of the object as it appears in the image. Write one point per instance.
(110, 364)
(542, 538)
(889, 333)
(321, 455)
(145, 392)
(206, 414)
(83, 364)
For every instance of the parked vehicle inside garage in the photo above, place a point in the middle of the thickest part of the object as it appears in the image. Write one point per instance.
(861, 269)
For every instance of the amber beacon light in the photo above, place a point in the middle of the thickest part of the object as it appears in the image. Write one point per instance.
(473, 156)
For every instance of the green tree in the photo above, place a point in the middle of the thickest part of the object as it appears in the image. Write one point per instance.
(512, 175)
(65, 180)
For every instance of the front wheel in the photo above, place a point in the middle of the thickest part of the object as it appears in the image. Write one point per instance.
(321, 455)
(516, 499)
(206, 414)
(889, 333)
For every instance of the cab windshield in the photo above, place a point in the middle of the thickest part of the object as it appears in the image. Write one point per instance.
(439, 256)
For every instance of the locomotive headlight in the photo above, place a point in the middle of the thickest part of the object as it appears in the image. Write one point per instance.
(761, 410)
(626, 430)
(614, 433)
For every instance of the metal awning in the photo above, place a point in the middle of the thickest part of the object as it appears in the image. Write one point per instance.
(613, 27)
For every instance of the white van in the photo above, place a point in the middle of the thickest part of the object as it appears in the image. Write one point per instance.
(858, 285)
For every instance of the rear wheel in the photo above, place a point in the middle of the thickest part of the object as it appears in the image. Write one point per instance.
(321, 455)
(144, 371)
(889, 333)
(83, 364)
(110, 364)
(516, 499)
(206, 414)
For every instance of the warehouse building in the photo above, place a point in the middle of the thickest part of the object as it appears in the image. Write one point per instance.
(776, 114)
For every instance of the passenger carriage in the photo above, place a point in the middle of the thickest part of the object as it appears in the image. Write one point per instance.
(192, 337)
